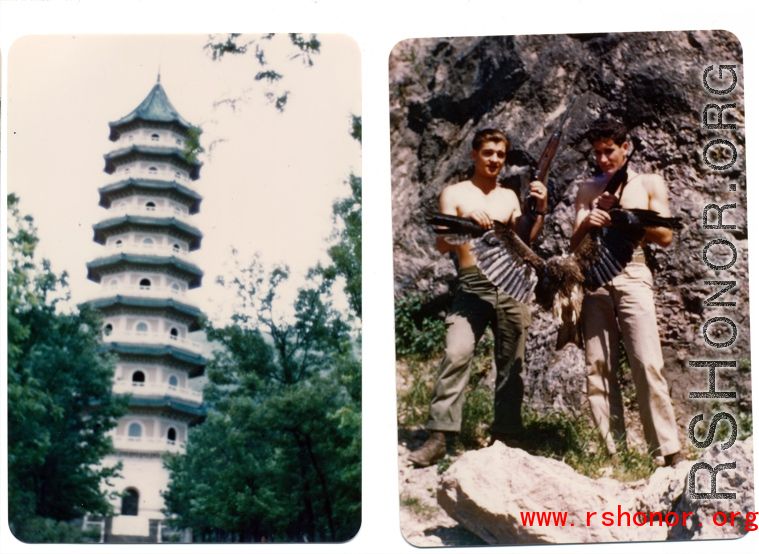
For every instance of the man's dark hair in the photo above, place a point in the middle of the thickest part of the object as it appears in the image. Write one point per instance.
(607, 128)
(488, 135)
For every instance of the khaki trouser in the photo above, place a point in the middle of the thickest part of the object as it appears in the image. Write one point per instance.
(626, 306)
(477, 304)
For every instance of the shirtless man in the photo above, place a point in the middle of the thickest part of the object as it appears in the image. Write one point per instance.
(626, 305)
(477, 303)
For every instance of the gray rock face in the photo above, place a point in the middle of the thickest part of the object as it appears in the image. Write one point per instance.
(488, 491)
(739, 481)
(443, 90)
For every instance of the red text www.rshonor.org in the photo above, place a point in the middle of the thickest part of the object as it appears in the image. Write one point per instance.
(638, 519)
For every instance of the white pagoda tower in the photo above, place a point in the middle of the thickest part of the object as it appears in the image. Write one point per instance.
(145, 273)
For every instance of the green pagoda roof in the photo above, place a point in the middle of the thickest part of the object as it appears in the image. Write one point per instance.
(195, 363)
(151, 153)
(123, 262)
(125, 222)
(169, 402)
(185, 311)
(131, 186)
(156, 108)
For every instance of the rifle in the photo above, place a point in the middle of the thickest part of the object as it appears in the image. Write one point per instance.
(546, 157)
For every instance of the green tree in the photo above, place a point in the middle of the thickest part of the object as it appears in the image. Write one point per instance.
(345, 252)
(279, 454)
(59, 401)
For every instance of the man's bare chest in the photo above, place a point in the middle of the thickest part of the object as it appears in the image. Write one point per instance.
(498, 204)
(633, 195)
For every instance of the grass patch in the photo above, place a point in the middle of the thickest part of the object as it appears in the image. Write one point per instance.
(419, 334)
(574, 441)
(743, 420)
(476, 416)
(443, 465)
(414, 399)
(417, 505)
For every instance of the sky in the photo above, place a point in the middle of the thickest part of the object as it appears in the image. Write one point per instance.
(376, 27)
(268, 180)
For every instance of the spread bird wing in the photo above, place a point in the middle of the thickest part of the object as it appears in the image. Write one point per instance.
(605, 251)
(456, 230)
(501, 255)
(507, 261)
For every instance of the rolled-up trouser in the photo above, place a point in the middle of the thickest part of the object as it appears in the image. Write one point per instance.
(626, 307)
(477, 304)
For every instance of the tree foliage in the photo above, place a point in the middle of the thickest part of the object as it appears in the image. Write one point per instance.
(192, 147)
(345, 252)
(59, 401)
(279, 454)
(303, 49)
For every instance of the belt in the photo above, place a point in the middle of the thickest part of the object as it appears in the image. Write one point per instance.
(471, 270)
(638, 256)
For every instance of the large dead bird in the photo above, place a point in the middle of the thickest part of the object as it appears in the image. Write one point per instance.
(559, 281)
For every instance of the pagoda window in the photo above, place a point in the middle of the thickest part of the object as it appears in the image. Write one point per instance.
(141, 327)
(153, 169)
(119, 243)
(177, 174)
(171, 435)
(107, 329)
(130, 502)
(114, 283)
(174, 333)
(175, 287)
(126, 170)
(145, 285)
(154, 137)
(138, 379)
(175, 247)
(135, 431)
(173, 381)
(150, 206)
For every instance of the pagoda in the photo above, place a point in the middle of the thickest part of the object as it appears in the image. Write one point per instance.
(145, 274)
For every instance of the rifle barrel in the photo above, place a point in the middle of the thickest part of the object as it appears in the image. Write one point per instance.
(547, 156)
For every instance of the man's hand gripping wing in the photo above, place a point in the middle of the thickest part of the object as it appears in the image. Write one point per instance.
(605, 251)
(501, 255)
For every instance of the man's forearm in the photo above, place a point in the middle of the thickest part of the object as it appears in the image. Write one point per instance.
(443, 246)
(578, 235)
(529, 227)
(659, 235)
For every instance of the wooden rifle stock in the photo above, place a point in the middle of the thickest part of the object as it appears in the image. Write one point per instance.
(545, 160)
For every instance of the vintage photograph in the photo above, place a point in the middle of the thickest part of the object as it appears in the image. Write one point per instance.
(184, 288)
(570, 254)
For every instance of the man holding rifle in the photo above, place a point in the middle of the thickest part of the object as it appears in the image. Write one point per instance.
(626, 305)
(478, 304)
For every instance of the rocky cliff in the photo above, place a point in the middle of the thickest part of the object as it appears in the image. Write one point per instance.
(443, 90)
